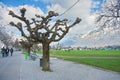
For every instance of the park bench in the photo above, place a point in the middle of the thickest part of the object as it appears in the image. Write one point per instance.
(33, 56)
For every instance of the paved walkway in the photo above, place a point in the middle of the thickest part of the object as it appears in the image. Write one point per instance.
(10, 67)
(17, 68)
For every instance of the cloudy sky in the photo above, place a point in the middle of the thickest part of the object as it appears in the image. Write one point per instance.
(84, 9)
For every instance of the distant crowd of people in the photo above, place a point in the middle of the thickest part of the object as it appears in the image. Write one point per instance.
(5, 51)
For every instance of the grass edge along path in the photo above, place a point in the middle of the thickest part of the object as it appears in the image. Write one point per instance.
(108, 61)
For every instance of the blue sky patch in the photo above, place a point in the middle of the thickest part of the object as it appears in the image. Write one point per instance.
(35, 3)
(97, 5)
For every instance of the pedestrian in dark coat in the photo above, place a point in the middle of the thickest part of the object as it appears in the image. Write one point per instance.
(3, 52)
(7, 51)
(11, 51)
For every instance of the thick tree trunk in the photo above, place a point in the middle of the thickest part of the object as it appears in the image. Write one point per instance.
(46, 61)
(29, 51)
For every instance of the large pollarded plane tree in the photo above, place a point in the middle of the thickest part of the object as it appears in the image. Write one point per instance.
(40, 31)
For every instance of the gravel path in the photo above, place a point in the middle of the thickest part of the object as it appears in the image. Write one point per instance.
(64, 70)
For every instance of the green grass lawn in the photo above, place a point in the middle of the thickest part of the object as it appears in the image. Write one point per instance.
(87, 53)
(106, 59)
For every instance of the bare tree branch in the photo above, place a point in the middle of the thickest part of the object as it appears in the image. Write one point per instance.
(110, 15)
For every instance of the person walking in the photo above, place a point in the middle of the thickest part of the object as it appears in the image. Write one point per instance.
(3, 52)
(11, 51)
(7, 51)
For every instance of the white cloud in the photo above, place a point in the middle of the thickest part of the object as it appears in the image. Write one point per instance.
(6, 19)
(55, 7)
(96, 38)
(82, 9)
(31, 11)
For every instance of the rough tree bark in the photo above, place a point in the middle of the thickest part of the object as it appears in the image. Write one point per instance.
(29, 50)
(46, 60)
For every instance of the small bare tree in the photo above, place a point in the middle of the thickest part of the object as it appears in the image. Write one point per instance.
(110, 15)
(26, 45)
(16, 44)
(41, 31)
